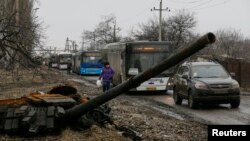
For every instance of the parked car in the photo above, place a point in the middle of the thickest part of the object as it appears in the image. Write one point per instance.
(205, 82)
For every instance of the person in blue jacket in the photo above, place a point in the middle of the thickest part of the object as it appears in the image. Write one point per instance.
(107, 76)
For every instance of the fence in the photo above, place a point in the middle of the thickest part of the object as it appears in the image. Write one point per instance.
(241, 70)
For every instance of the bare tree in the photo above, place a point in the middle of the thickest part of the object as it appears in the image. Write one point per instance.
(177, 29)
(148, 31)
(246, 50)
(231, 41)
(20, 33)
(88, 38)
(105, 32)
(230, 44)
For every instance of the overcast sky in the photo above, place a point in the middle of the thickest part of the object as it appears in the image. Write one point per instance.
(68, 18)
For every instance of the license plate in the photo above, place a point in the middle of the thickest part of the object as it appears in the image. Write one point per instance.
(221, 91)
(151, 88)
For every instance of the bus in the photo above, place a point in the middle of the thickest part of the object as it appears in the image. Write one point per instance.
(131, 58)
(87, 62)
(64, 59)
(53, 61)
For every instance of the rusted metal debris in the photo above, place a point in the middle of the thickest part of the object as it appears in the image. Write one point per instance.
(44, 112)
(13, 102)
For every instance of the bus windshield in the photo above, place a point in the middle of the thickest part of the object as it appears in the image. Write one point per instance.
(66, 58)
(144, 61)
(53, 59)
(91, 59)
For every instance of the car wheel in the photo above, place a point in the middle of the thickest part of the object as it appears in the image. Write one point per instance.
(177, 98)
(235, 103)
(191, 103)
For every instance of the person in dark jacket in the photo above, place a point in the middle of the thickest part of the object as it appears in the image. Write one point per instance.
(107, 76)
(69, 68)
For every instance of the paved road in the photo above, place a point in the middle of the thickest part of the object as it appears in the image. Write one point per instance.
(214, 114)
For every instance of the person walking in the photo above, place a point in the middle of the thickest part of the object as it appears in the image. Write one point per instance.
(69, 65)
(106, 76)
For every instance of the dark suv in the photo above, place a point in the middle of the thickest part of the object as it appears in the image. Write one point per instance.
(202, 82)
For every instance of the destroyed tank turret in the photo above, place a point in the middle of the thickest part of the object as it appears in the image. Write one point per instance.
(43, 112)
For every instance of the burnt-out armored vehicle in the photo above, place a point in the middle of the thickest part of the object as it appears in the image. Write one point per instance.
(43, 112)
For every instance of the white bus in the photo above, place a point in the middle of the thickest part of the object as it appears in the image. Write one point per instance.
(64, 59)
(53, 61)
(131, 58)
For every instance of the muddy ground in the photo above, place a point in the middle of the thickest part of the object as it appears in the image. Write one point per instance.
(129, 114)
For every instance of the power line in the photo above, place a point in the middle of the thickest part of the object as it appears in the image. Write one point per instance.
(214, 5)
(186, 2)
(201, 4)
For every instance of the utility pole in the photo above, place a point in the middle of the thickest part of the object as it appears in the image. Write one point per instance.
(114, 39)
(160, 18)
(72, 47)
(75, 49)
(67, 44)
(82, 48)
(54, 50)
(94, 40)
(17, 12)
(50, 51)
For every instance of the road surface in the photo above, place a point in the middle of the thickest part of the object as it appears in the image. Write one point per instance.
(213, 114)
(209, 114)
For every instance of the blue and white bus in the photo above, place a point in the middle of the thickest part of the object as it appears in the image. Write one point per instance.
(87, 62)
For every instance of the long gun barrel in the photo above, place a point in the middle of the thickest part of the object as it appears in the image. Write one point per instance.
(174, 59)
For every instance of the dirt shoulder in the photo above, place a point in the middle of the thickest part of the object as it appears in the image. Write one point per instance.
(127, 113)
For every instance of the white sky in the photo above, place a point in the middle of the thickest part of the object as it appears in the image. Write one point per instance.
(68, 18)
